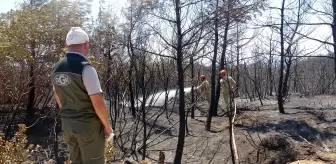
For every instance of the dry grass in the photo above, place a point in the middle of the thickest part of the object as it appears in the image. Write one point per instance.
(109, 150)
(14, 150)
(245, 120)
(221, 126)
(145, 162)
(307, 162)
(325, 156)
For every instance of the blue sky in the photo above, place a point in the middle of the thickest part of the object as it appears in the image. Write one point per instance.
(6, 5)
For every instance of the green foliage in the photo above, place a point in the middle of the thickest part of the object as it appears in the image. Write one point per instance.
(38, 31)
(94, 61)
(32, 39)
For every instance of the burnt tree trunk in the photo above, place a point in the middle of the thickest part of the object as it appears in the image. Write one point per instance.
(286, 80)
(213, 74)
(245, 82)
(192, 115)
(31, 84)
(108, 72)
(280, 96)
(334, 31)
(270, 63)
(179, 62)
(289, 54)
(238, 62)
(143, 108)
(223, 56)
(130, 87)
(257, 85)
(296, 77)
(132, 65)
(55, 135)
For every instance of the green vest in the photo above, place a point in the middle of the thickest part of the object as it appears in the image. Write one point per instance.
(77, 112)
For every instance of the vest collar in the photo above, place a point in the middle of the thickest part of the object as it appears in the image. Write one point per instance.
(77, 53)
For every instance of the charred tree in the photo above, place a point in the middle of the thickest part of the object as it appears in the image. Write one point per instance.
(213, 74)
(223, 55)
(192, 115)
(282, 58)
(334, 31)
(31, 84)
(180, 72)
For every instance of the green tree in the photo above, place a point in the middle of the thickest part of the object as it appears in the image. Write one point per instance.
(34, 37)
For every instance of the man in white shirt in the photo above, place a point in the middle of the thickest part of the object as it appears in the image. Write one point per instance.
(79, 95)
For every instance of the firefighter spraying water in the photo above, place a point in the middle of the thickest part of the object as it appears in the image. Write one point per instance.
(204, 88)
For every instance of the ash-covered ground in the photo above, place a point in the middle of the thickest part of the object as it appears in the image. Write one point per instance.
(263, 135)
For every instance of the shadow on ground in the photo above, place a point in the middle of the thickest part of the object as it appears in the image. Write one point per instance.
(298, 130)
(42, 131)
(161, 129)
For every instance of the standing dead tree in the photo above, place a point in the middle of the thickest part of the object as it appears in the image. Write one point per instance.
(334, 31)
(282, 58)
(230, 11)
(182, 34)
(289, 27)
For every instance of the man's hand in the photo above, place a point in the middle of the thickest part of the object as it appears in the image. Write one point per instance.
(108, 130)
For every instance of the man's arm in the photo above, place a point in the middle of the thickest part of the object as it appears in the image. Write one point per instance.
(233, 83)
(200, 86)
(92, 84)
(100, 108)
(57, 100)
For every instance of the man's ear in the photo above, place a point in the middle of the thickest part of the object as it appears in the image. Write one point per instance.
(87, 45)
